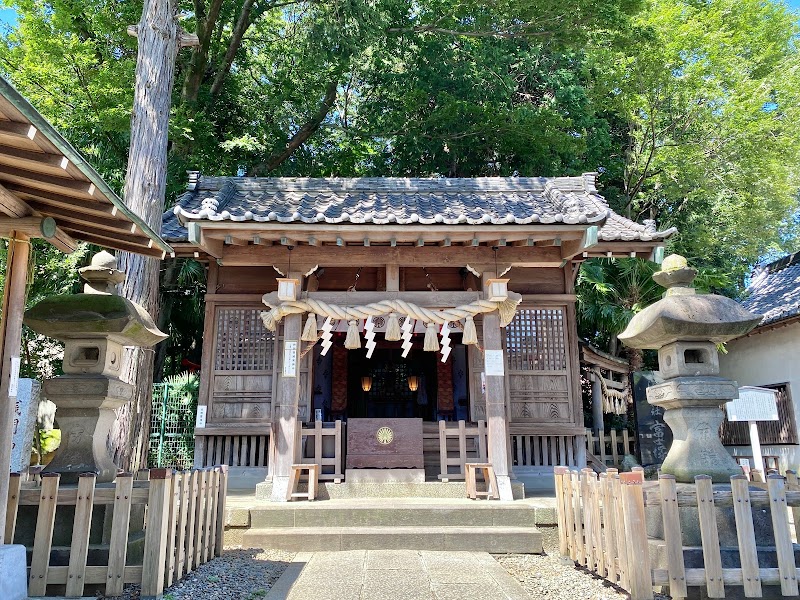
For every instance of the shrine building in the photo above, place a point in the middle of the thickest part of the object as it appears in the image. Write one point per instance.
(356, 322)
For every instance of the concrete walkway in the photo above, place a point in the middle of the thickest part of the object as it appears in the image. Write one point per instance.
(396, 575)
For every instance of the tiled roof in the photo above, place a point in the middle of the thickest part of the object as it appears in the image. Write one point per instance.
(400, 201)
(775, 290)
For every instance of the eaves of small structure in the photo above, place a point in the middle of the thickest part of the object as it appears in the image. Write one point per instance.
(44, 178)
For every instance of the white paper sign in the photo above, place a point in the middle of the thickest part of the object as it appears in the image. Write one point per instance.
(753, 404)
(200, 422)
(13, 380)
(493, 362)
(318, 414)
(290, 358)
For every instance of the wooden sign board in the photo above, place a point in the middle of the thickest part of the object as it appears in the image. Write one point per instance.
(384, 444)
(753, 404)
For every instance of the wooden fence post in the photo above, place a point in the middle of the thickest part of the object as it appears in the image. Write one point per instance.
(609, 524)
(578, 515)
(588, 520)
(118, 544)
(81, 526)
(43, 536)
(783, 540)
(223, 494)
(792, 483)
(712, 559)
(14, 484)
(155, 535)
(672, 536)
(745, 534)
(570, 516)
(562, 515)
(191, 526)
(640, 580)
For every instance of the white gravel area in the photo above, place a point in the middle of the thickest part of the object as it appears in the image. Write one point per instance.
(545, 576)
(239, 574)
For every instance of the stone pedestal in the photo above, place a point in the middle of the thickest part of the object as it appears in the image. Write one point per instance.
(693, 411)
(14, 581)
(86, 405)
(25, 412)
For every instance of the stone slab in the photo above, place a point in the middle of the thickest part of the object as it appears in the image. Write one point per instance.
(430, 489)
(498, 540)
(385, 475)
(14, 579)
(407, 575)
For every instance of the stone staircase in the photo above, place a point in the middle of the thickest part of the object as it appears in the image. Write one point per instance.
(389, 524)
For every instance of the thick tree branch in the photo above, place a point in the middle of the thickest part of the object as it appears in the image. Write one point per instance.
(204, 29)
(242, 25)
(302, 134)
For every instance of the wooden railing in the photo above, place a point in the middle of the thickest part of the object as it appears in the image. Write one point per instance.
(314, 450)
(602, 528)
(471, 440)
(530, 450)
(249, 446)
(183, 529)
(610, 447)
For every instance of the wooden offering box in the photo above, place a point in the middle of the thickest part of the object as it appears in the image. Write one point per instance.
(384, 444)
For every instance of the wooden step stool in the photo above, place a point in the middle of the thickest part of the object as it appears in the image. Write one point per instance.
(489, 477)
(294, 480)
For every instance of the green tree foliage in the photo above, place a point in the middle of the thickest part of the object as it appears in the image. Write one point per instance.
(687, 108)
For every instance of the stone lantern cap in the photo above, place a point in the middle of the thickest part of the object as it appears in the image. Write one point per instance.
(684, 315)
(97, 313)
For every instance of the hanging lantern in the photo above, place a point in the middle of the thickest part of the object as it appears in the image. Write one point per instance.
(366, 383)
(287, 289)
(497, 289)
(413, 383)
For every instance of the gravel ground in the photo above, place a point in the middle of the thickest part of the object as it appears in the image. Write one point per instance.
(544, 576)
(237, 575)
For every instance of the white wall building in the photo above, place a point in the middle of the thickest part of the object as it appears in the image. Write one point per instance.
(769, 356)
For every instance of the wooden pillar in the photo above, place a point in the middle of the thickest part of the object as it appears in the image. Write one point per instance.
(284, 414)
(597, 405)
(10, 338)
(207, 361)
(497, 423)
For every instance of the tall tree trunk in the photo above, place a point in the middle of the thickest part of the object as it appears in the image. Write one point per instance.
(145, 189)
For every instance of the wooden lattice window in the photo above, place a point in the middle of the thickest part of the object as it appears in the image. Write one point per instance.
(243, 343)
(782, 431)
(535, 340)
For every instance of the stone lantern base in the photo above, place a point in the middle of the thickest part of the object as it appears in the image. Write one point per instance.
(85, 413)
(693, 411)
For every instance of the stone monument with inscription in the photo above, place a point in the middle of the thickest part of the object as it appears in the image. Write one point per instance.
(685, 328)
(95, 327)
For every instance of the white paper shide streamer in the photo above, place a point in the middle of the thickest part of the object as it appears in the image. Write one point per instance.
(327, 336)
(369, 335)
(445, 341)
(407, 329)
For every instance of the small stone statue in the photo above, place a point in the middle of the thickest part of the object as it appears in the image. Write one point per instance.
(685, 328)
(95, 327)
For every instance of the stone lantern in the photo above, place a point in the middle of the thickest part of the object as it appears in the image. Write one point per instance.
(685, 328)
(95, 327)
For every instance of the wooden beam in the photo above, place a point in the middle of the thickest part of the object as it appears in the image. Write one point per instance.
(64, 215)
(571, 248)
(101, 207)
(57, 161)
(112, 242)
(83, 187)
(197, 237)
(22, 130)
(233, 240)
(445, 242)
(12, 205)
(430, 256)
(426, 299)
